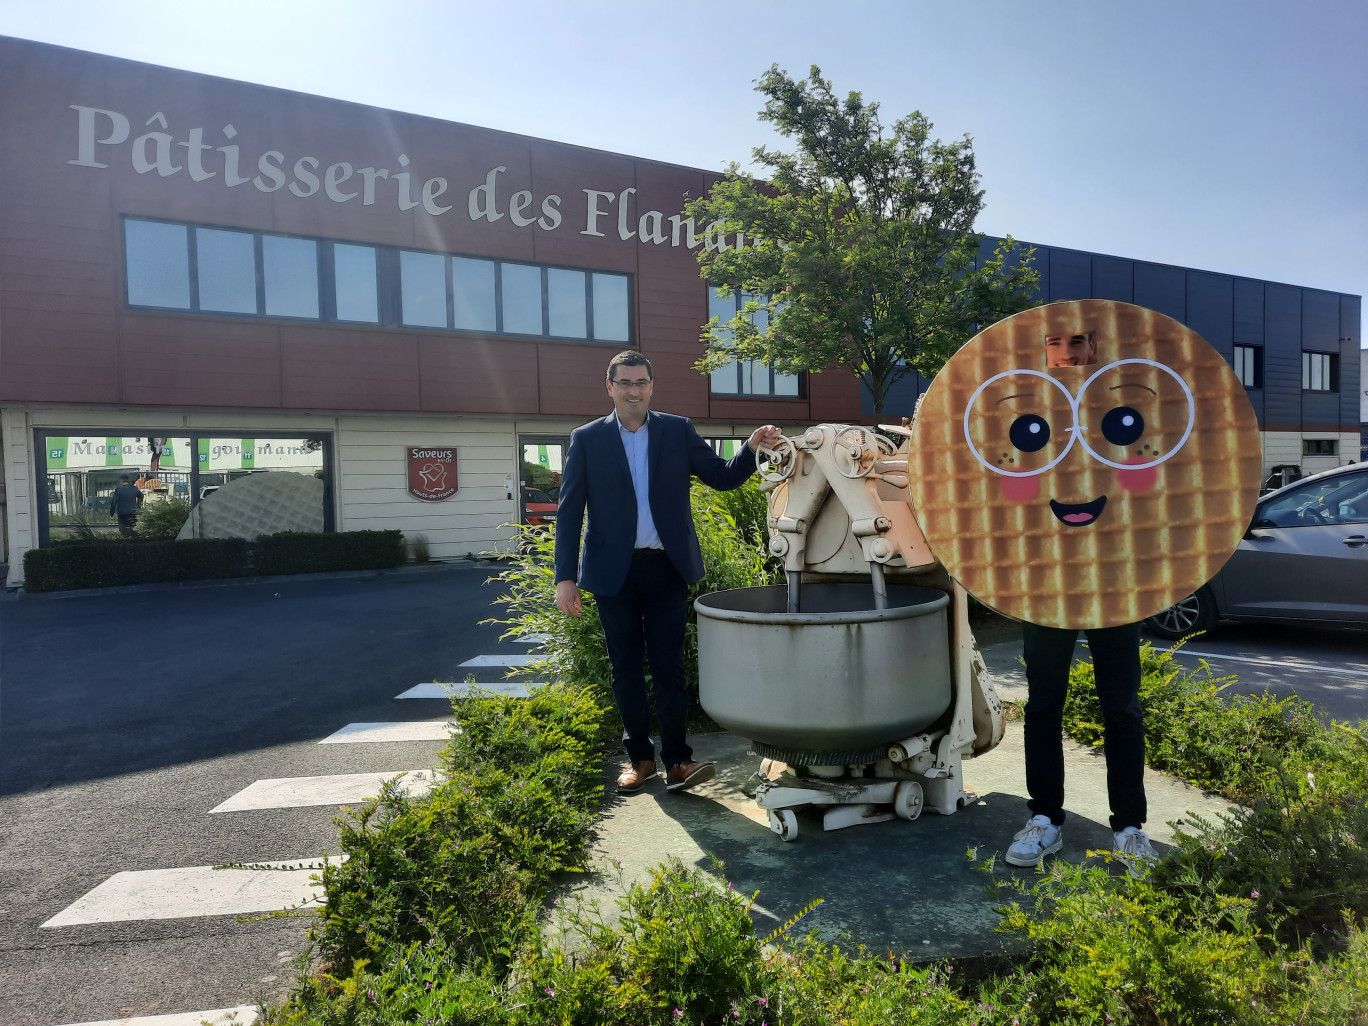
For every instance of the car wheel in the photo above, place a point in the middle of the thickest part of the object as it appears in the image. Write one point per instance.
(1197, 612)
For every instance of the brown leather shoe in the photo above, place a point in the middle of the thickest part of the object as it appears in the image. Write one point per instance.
(685, 775)
(634, 777)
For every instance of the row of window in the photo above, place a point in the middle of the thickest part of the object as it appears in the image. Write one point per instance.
(214, 270)
(221, 271)
(746, 377)
(1320, 371)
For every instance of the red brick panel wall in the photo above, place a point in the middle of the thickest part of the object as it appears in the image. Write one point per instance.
(66, 335)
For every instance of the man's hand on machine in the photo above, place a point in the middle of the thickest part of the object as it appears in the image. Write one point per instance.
(764, 437)
(568, 599)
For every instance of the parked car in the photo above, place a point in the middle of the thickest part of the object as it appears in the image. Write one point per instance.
(538, 507)
(1304, 558)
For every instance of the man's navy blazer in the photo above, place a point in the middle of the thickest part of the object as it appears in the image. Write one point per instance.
(597, 479)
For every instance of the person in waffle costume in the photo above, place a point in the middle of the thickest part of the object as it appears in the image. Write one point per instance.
(1082, 466)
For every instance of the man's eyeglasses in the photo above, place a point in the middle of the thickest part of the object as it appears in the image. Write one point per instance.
(624, 383)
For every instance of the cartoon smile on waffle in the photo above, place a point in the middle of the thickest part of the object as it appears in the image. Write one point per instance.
(1084, 464)
(1023, 423)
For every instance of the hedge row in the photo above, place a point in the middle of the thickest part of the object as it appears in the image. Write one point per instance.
(105, 564)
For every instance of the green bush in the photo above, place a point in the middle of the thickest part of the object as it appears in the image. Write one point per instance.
(1298, 843)
(574, 645)
(436, 917)
(106, 564)
(296, 552)
(162, 518)
(111, 562)
(469, 864)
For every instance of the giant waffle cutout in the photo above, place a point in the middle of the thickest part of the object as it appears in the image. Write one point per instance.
(1087, 495)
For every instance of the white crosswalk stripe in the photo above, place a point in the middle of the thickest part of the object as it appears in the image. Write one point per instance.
(503, 660)
(194, 891)
(403, 730)
(436, 689)
(338, 789)
(242, 1015)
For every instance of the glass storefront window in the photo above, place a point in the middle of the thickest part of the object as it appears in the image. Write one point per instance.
(227, 271)
(290, 272)
(157, 260)
(216, 487)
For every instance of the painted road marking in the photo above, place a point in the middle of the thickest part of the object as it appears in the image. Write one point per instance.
(531, 639)
(504, 660)
(242, 1015)
(1274, 664)
(408, 730)
(436, 689)
(194, 891)
(338, 789)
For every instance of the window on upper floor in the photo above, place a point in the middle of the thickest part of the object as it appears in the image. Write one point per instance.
(747, 377)
(210, 270)
(1248, 364)
(1320, 372)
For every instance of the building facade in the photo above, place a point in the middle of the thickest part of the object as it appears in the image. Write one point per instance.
(204, 280)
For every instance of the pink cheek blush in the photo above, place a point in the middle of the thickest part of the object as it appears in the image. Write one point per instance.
(1137, 480)
(1019, 489)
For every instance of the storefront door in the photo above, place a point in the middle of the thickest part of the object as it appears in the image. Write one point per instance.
(543, 458)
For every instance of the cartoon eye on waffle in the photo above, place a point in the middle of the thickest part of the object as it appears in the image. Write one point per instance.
(1085, 464)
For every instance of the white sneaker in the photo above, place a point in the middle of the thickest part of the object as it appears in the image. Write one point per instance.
(1134, 850)
(1038, 838)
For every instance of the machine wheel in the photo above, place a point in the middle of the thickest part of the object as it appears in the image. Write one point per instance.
(784, 823)
(907, 800)
(1197, 612)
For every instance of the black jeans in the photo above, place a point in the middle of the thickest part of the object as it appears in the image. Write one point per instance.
(1116, 660)
(647, 618)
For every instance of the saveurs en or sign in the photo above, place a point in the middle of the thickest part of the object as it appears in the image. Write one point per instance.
(431, 473)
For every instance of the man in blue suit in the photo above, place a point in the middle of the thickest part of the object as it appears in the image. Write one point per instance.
(632, 472)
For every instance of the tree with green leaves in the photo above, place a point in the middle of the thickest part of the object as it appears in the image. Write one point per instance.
(857, 249)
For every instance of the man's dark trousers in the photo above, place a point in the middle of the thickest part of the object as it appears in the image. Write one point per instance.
(1116, 661)
(647, 617)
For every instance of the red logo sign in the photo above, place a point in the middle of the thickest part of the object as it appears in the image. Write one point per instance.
(432, 473)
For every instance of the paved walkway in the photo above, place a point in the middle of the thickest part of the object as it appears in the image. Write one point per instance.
(909, 886)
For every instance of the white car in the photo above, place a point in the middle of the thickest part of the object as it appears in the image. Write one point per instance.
(1303, 559)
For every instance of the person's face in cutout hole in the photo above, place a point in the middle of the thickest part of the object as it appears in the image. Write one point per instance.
(1070, 350)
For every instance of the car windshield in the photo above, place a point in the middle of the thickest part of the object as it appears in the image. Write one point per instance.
(1334, 500)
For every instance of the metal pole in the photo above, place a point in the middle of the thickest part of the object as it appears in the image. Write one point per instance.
(795, 586)
(876, 572)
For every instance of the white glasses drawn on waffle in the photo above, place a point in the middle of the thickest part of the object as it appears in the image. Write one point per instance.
(1031, 438)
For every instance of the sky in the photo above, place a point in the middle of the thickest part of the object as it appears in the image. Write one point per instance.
(1231, 136)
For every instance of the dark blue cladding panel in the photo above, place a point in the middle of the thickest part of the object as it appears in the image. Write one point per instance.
(1249, 311)
(1352, 383)
(900, 401)
(1320, 411)
(1351, 327)
(1320, 320)
(1113, 278)
(1070, 275)
(1162, 288)
(1210, 308)
(1282, 356)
